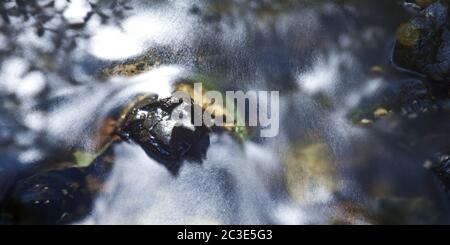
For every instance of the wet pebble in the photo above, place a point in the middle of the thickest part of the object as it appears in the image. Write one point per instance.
(162, 137)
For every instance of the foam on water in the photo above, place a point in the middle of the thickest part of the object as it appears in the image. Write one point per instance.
(230, 187)
(71, 120)
(236, 184)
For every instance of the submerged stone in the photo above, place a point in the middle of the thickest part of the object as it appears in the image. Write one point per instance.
(55, 197)
(310, 170)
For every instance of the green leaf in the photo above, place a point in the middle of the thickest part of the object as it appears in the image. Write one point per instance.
(83, 159)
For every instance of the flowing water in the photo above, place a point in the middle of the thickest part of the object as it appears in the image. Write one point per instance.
(322, 168)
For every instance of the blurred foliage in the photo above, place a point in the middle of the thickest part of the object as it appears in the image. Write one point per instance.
(41, 33)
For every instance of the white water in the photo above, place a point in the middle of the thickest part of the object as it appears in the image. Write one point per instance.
(236, 184)
(230, 187)
(329, 60)
(69, 120)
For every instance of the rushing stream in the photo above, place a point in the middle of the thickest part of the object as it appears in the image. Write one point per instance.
(330, 60)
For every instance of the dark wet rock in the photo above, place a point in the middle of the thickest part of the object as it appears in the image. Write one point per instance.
(62, 195)
(423, 43)
(54, 197)
(163, 139)
(442, 170)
